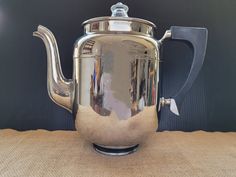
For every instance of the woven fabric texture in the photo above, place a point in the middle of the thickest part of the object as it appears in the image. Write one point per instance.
(166, 154)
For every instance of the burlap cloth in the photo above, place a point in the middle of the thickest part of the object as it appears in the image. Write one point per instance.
(165, 154)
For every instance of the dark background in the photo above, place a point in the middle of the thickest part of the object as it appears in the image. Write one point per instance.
(24, 102)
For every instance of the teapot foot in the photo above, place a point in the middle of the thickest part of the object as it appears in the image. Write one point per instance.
(115, 151)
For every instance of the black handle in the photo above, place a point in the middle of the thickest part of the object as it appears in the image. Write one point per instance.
(198, 38)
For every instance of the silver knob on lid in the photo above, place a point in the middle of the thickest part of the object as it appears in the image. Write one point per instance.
(119, 10)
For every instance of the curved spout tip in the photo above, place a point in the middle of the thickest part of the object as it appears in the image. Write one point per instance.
(36, 33)
(40, 31)
(42, 28)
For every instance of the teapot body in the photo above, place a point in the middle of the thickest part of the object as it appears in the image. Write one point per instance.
(114, 93)
(116, 88)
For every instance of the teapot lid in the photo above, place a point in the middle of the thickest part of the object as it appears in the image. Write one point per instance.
(119, 21)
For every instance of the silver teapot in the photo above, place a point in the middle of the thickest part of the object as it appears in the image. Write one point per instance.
(113, 94)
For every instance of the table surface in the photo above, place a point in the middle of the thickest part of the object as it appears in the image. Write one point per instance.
(165, 154)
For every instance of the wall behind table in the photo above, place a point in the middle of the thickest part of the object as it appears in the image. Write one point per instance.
(24, 104)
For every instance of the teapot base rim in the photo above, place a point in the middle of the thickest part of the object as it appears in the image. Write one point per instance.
(115, 151)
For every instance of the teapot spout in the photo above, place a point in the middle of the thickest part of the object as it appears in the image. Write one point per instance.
(59, 88)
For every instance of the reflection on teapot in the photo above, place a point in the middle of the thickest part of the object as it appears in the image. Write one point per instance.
(113, 94)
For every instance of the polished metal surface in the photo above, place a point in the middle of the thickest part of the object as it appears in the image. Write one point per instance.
(128, 19)
(167, 35)
(114, 90)
(117, 73)
(113, 93)
(116, 79)
(168, 102)
(119, 22)
(164, 101)
(60, 89)
(115, 151)
(112, 26)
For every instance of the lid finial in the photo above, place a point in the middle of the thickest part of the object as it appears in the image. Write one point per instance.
(119, 10)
